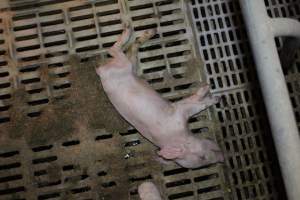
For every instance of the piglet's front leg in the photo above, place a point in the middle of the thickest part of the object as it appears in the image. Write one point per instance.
(196, 103)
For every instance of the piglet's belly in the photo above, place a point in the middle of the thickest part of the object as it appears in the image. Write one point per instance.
(142, 107)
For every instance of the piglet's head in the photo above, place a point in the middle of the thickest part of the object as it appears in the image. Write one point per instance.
(193, 153)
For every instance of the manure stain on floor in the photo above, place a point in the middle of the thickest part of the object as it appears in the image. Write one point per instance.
(84, 102)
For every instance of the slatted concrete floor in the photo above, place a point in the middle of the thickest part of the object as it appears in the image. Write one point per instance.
(37, 40)
(92, 163)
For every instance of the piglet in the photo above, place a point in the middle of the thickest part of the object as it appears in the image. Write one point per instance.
(161, 122)
(148, 191)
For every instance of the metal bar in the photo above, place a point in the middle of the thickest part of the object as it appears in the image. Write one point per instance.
(261, 31)
(285, 27)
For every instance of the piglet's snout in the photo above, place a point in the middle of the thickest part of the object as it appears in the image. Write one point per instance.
(148, 191)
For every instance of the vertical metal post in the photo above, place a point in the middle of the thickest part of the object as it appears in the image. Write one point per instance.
(261, 31)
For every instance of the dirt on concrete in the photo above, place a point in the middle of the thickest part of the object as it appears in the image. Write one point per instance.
(18, 115)
(85, 103)
(55, 123)
(89, 96)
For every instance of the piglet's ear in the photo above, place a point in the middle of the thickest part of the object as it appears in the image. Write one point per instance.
(171, 152)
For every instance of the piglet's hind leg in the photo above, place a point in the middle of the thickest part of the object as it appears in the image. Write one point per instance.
(119, 59)
(125, 39)
(134, 47)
